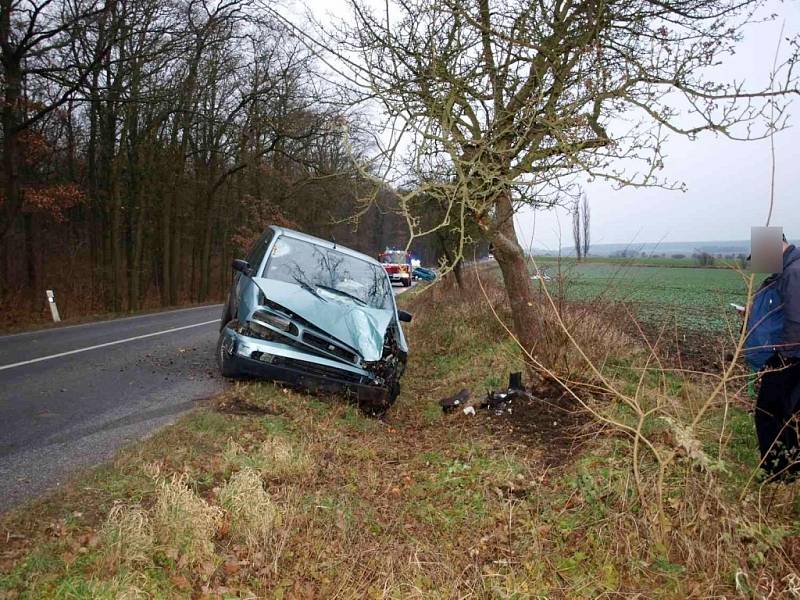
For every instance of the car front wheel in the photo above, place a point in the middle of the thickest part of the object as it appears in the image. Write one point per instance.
(225, 362)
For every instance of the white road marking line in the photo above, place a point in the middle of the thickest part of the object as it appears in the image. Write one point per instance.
(106, 344)
(46, 330)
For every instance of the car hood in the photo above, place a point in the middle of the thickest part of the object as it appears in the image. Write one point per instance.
(360, 327)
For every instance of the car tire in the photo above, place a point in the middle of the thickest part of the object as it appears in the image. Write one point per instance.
(394, 392)
(406, 283)
(226, 314)
(379, 410)
(227, 367)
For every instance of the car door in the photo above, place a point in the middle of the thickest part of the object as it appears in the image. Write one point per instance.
(255, 258)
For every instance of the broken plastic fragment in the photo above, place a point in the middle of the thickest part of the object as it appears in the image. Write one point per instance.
(451, 403)
(469, 410)
(515, 381)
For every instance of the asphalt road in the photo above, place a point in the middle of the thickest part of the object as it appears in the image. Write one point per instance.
(70, 396)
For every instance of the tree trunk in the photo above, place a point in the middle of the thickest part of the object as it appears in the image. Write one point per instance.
(135, 257)
(31, 276)
(458, 271)
(205, 257)
(5, 266)
(457, 266)
(116, 246)
(12, 191)
(511, 259)
(166, 234)
(175, 269)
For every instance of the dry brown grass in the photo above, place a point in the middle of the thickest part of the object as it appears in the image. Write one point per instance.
(252, 514)
(184, 523)
(121, 587)
(275, 458)
(597, 329)
(127, 536)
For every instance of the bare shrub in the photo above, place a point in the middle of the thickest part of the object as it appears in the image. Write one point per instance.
(595, 325)
(127, 536)
(252, 513)
(467, 321)
(185, 524)
(704, 259)
(676, 425)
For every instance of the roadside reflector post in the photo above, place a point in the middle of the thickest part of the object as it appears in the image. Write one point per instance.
(51, 300)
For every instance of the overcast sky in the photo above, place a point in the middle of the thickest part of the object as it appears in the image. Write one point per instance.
(728, 182)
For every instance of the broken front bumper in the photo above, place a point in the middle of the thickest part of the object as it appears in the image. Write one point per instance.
(274, 361)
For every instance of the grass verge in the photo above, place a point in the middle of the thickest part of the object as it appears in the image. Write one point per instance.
(302, 497)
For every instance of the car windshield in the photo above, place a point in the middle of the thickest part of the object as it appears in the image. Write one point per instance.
(397, 258)
(332, 275)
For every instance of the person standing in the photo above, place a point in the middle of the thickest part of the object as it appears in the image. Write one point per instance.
(774, 332)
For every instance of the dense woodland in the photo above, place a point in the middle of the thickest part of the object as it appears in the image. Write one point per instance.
(146, 143)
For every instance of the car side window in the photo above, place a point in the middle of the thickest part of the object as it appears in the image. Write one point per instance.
(259, 250)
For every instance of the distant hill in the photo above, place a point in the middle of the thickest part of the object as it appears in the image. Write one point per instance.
(657, 249)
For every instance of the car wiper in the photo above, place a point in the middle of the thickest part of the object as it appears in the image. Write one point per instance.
(343, 293)
(308, 287)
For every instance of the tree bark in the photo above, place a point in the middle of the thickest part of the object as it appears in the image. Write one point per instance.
(31, 276)
(12, 191)
(511, 259)
(116, 245)
(457, 266)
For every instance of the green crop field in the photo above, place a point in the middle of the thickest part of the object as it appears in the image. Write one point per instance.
(696, 298)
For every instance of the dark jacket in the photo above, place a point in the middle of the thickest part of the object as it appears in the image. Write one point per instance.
(789, 289)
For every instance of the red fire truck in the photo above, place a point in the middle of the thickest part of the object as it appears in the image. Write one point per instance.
(398, 265)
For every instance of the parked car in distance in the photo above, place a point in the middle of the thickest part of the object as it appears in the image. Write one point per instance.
(397, 264)
(424, 274)
(314, 315)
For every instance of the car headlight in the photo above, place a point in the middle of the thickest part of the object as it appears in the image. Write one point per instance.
(261, 318)
(277, 321)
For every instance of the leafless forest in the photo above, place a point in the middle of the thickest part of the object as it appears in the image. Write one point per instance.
(145, 143)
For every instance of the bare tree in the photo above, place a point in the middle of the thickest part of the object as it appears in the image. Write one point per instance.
(508, 101)
(586, 218)
(35, 37)
(577, 229)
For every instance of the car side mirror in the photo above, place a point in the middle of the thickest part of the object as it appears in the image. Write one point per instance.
(242, 266)
(404, 316)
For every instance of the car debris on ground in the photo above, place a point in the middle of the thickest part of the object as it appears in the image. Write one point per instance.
(453, 403)
(498, 402)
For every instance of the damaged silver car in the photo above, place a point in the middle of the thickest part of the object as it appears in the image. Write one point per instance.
(314, 315)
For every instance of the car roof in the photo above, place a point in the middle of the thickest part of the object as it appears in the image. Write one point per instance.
(324, 243)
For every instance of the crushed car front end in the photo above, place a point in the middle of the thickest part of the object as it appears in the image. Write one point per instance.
(334, 334)
(289, 359)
